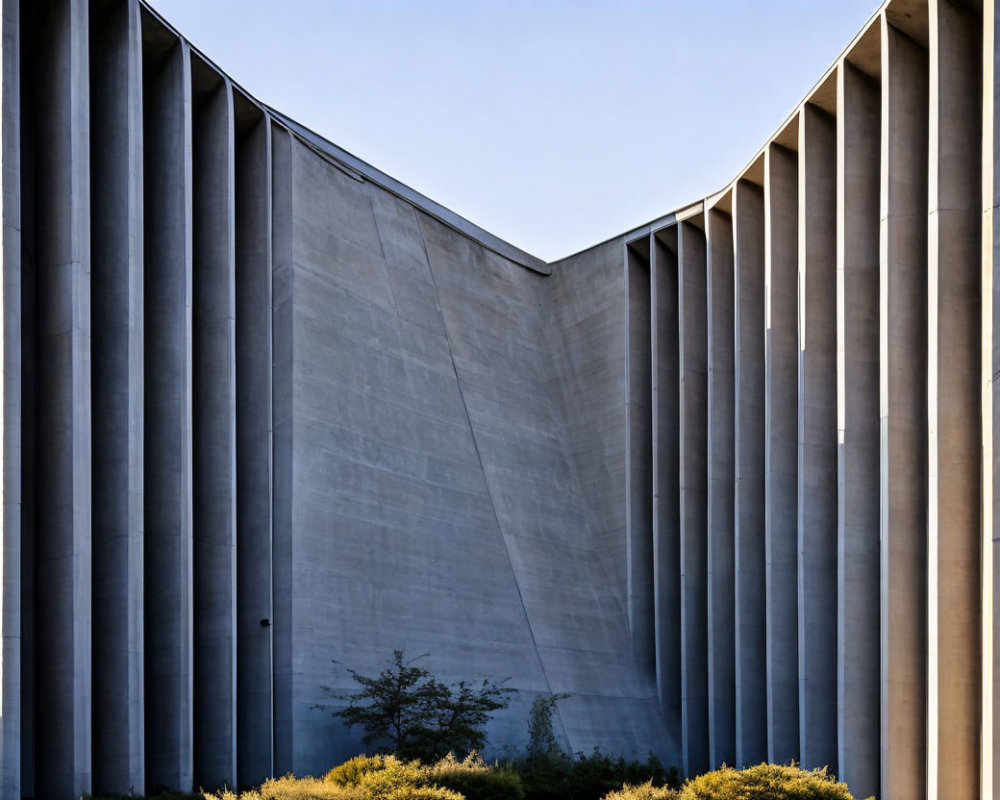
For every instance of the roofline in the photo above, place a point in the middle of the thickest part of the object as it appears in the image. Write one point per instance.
(364, 171)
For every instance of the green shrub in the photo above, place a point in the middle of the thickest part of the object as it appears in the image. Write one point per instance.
(558, 776)
(644, 791)
(593, 776)
(475, 779)
(765, 782)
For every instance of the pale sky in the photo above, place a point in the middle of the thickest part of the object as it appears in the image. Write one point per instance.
(554, 124)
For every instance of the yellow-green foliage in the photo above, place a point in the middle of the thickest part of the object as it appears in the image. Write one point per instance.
(349, 773)
(401, 779)
(644, 791)
(291, 788)
(764, 782)
(475, 779)
(395, 780)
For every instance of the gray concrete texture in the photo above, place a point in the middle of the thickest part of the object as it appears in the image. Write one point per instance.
(728, 480)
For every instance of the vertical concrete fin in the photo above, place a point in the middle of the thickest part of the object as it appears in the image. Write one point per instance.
(214, 427)
(750, 632)
(953, 401)
(693, 444)
(117, 259)
(666, 495)
(283, 344)
(720, 427)
(817, 438)
(639, 466)
(10, 395)
(858, 147)
(63, 549)
(168, 208)
(903, 414)
(253, 444)
(781, 456)
(29, 391)
(990, 366)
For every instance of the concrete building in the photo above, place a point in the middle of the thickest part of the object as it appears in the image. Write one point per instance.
(729, 479)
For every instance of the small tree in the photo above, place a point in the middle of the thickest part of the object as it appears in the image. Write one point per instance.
(542, 741)
(406, 710)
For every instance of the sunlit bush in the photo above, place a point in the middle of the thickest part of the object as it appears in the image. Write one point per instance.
(291, 788)
(765, 782)
(644, 791)
(351, 771)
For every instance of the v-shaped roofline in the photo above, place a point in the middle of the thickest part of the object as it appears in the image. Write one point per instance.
(819, 94)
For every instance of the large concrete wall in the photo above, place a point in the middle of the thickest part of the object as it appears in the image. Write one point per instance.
(726, 480)
(433, 494)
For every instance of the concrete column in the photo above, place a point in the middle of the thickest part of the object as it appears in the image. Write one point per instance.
(858, 147)
(781, 456)
(63, 512)
(721, 639)
(214, 426)
(666, 479)
(817, 438)
(29, 406)
(283, 343)
(990, 366)
(10, 392)
(639, 462)
(253, 444)
(953, 402)
(168, 425)
(692, 315)
(903, 415)
(117, 258)
(751, 667)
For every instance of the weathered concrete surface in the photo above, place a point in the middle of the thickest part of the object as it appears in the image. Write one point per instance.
(254, 468)
(750, 634)
(117, 354)
(903, 415)
(817, 439)
(953, 359)
(168, 446)
(63, 517)
(858, 659)
(721, 491)
(586, 293)
(586, 298)
(214, 427)
(990, 368)
(459, 451)
(11, 547)
(781, 217)
(283, 344)
(692, 311)
(641, 507)
(666, 501)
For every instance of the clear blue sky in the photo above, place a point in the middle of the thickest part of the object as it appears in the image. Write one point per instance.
(554, 124)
